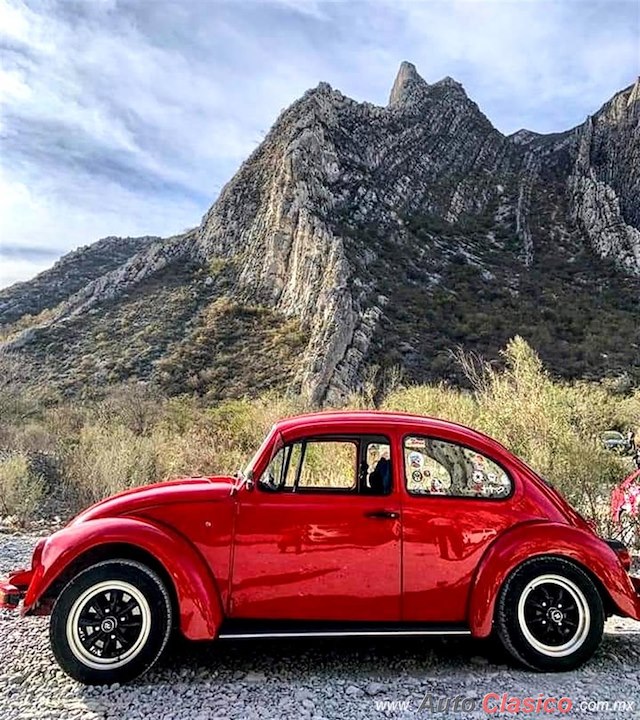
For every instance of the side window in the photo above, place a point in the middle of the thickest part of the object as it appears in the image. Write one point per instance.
(294, 453)
(328, 465)
(313, 465)
(273, 476)
(437, 467)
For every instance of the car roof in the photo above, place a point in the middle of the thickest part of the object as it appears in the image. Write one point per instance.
(380, 417)
(377, 420)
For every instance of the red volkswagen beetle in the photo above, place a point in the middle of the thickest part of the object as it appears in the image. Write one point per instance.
(344, 523)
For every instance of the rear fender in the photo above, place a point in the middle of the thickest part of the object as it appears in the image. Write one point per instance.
(198, 598)
(532, 539)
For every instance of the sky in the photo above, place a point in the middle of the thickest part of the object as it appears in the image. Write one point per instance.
(126, 117)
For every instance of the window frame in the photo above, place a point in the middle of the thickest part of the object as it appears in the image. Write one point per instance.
(466, 446)
(360, 440)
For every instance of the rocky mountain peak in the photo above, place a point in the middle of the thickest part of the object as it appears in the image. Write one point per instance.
(634, 95)
(357, 239)
(407, 83)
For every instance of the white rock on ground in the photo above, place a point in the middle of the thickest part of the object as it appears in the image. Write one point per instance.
(345, 679)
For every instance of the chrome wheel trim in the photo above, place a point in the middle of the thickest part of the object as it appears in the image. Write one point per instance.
(73, 630)
(582, 613)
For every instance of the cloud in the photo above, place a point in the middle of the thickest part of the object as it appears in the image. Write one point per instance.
(54, 221)
(19, 261)
(127, 117)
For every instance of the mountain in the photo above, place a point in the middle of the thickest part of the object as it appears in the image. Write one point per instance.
(356, 238)
(69, 275)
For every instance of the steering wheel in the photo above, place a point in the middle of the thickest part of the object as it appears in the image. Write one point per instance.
(269, 482)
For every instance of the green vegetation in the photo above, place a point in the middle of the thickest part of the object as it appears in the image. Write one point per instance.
(180, 331)
(232, 346)
(24, 323)
(136, 435)
(464, 283)
(21, 490)
(554, 427)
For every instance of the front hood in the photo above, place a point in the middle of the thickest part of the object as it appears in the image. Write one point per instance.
(182, 490)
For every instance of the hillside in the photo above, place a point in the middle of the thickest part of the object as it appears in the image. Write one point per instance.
(359, 238)
(69, 275)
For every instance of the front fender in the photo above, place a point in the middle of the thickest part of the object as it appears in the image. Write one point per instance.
(198, 598)
(544, 538)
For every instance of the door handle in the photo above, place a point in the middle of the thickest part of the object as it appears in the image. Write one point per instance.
(382, 515)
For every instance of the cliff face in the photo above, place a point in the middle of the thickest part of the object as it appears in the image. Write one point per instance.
(604, 182)
(359, 236)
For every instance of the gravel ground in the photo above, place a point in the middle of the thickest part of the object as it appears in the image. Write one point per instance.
(344, 679)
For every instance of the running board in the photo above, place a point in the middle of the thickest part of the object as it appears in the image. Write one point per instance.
(249, 629)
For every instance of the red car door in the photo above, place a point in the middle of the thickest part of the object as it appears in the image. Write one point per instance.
(456, 501)
(317, 539)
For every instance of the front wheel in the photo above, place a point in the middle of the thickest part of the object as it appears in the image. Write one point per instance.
(111, 622)
(550, 615)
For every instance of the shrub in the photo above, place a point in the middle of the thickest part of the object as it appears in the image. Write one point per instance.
(554, 427)
(21, 490)
(107, 459)
(135, 435)
(121, 445)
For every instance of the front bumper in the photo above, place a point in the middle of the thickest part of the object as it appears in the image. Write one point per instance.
(14, 588)
(10, 596)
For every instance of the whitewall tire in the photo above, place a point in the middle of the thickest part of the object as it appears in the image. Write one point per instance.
(549, 615)
(111, 622)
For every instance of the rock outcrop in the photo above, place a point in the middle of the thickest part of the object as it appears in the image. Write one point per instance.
(366, 237)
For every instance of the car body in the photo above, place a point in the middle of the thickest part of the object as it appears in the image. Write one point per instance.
(625, 508)
(625, 497)
(352, 522)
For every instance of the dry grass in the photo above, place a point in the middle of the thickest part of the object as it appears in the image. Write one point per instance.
(21, 490)
(147, 440)
(137, 436)
(554, 427)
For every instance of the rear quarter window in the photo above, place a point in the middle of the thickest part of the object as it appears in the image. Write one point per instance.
(440, 468)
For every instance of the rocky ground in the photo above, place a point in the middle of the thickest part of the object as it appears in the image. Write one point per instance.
(305, 679)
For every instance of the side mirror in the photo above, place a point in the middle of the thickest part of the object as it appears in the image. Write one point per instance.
(245, 482)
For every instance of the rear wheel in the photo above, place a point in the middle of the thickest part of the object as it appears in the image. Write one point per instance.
(111, 622)
(550, 615)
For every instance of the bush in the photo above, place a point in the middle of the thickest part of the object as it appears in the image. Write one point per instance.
(21, 490)
(554, 427)
(108, 459)
(121, 445)
(136, 436)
